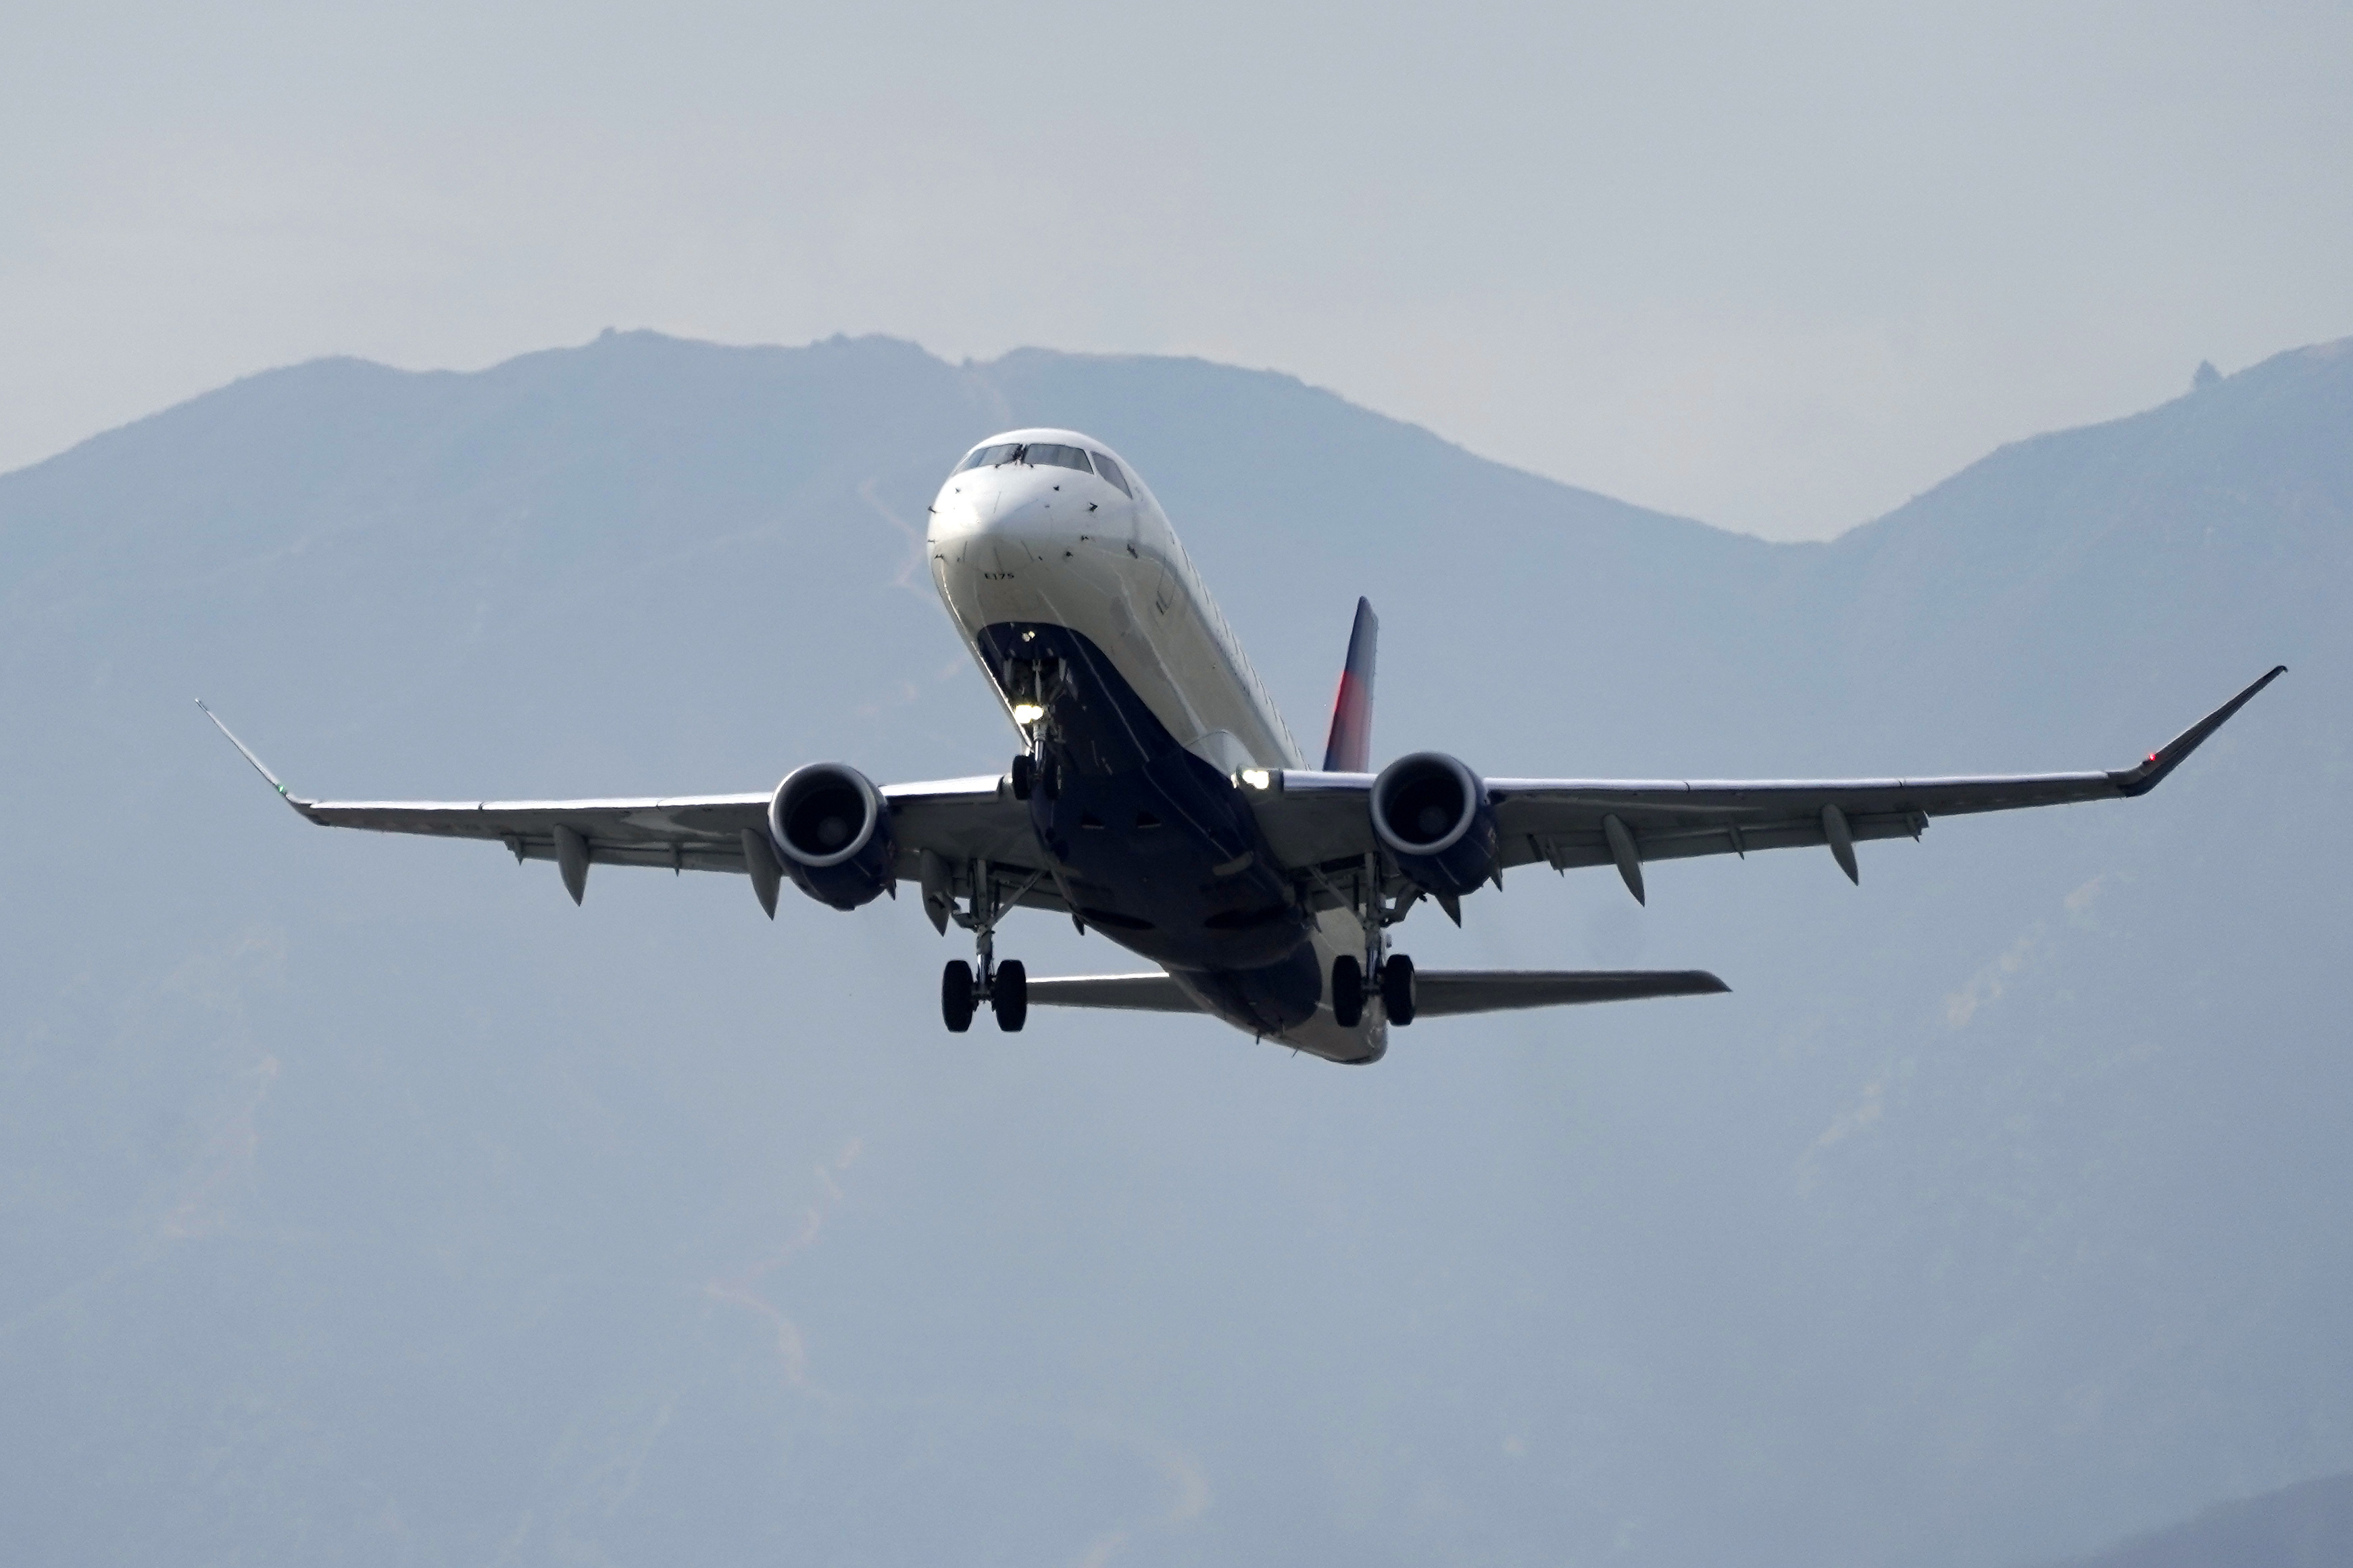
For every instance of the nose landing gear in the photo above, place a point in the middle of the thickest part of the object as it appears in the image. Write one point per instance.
(1035, 774)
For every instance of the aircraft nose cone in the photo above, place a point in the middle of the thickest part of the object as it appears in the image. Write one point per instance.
(1042, 509)
(1029, 507)
(965, 507)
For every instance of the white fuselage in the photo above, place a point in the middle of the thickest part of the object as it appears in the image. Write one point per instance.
(1021, 542)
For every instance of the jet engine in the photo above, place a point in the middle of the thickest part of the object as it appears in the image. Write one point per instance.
(1433, 817)
(832, 828)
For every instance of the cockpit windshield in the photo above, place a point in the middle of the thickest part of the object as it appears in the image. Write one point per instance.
(1047, 455)
(989, 457)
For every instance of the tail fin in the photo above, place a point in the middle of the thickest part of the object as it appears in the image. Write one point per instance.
(1349, 750)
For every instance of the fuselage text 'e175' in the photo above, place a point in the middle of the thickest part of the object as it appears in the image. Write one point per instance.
(1158, 799)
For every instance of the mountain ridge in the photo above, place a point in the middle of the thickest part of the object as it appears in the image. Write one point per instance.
(364, 1196)
(2307, 1525)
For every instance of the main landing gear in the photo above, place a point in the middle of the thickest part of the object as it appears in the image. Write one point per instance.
(1005, 987)
(1392, 977)
(1395, 979)
(1397, 988)
(1347, 991)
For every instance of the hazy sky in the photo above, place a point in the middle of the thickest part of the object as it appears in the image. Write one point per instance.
(1778, 267)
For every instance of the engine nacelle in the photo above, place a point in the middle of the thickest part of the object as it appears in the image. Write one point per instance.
(1433, 817)
(832, 829)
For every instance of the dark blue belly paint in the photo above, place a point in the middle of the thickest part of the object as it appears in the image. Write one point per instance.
(1153, 846)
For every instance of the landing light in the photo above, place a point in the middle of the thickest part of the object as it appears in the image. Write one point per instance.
(1257, 778)
(1026, 712)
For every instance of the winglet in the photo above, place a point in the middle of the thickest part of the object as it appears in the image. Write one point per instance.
(247, 752)
(1349, 747)
(2165, 758)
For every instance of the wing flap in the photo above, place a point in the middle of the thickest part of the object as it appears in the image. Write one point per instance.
(1590, 847)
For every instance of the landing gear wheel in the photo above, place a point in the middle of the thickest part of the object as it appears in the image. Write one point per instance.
(1025, 774)
(1050, 777)
(1008, 993)
(956, 996)
(1396, 989)
(1347, 991)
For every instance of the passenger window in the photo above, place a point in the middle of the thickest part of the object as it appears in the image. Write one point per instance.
(989, 457)
(1046, 455)
(1110, 470)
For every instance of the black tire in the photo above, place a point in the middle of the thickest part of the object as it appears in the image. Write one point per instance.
(956, 996)
(1025, 771)
(1396, 989)
(1050, 777)
(1008, 993)
(1347, 991)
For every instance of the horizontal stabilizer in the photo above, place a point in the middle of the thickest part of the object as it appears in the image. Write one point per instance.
(1441, 991)
(1129, 993)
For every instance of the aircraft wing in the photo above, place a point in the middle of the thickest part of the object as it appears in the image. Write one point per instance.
(1323, 821)
(961, 819)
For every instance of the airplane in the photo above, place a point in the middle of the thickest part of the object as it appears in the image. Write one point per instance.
(1158, 798)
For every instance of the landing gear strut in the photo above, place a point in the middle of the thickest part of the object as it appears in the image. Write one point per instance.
(1005, 987)
(1032, 683)
(1390, 973)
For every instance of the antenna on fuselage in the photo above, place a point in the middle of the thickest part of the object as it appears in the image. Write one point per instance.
(1349, 747)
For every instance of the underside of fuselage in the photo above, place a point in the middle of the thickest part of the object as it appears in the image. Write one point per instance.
(1152, 846)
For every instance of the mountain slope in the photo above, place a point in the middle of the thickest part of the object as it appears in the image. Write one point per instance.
(2309, 1525)
(362, 1198)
